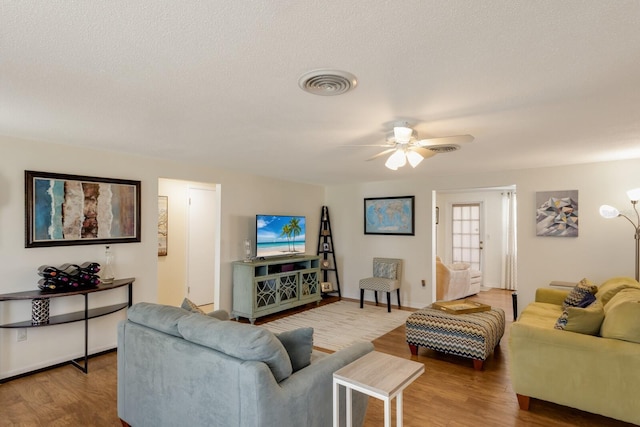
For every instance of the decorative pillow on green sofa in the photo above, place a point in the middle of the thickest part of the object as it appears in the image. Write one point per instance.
(582, 320)
(299, 345)
(581, 295)
(622, 314)
(614, 285)
(240, 340)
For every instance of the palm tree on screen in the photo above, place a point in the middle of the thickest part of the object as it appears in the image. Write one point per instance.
(295, 229)
(286, 231)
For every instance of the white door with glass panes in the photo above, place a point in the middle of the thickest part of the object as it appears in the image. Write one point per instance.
(466, 234)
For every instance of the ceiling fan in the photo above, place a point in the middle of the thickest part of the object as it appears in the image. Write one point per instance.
(404, 146)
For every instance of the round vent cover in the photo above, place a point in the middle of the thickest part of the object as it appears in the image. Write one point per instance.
(443, 148)
(327, 82)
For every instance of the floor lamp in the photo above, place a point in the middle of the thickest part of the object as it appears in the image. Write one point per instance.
(610, 212)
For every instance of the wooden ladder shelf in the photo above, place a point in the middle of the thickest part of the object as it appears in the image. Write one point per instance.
(327, 250)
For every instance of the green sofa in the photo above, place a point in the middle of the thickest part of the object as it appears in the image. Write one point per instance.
(593, 364)
(181, 368)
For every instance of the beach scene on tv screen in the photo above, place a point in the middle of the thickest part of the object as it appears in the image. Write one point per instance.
(278, 235)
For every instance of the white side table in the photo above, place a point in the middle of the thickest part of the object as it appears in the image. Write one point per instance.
(378, 375)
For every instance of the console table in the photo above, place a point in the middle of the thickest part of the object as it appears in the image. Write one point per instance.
(267, 286)
(83, 315)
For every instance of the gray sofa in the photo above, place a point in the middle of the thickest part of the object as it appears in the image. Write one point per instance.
(177, 368)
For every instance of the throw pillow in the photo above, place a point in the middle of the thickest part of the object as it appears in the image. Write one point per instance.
(189, 305)
(614, 285)
(581, 295)
(239, 340)
(299, 345)
(385, 270)
(219, 314)
(623, 312)
(581, 320)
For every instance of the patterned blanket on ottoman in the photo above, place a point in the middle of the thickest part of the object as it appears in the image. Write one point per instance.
(473, 335)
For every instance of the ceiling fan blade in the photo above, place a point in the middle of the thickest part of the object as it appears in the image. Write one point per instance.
(423, 151)
(371, 145)
(382, 153)
(456, 139)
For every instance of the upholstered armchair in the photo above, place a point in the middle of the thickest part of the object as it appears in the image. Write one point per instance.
(386, 278)
(456, 281)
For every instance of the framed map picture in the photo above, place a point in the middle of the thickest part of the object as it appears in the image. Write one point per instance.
(389, 215)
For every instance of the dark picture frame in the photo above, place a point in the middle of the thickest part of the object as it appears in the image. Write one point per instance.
(393, 216)
(67, 210)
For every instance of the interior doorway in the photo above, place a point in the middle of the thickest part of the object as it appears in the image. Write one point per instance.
(494, 240)
(191, 267)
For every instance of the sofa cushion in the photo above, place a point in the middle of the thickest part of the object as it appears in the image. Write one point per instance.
(540, 314)
(581, 295)
(163, 318)
(585, 320)
(299, 346)
(622, 314)
(240, 340)
(614, 285)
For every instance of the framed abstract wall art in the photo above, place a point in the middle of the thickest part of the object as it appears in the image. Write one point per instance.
(557, 213)
(389, 215)
(64, 210)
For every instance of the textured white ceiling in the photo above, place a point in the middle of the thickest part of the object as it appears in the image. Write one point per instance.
(538, 83)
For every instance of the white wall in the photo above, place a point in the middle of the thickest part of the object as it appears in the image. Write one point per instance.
(604, 248)
(242, 197)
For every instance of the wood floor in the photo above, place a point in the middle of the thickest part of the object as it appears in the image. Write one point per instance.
(450, 392)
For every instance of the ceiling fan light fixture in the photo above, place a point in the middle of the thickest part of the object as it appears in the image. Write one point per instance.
(414, 158)
(402, 134)
(396, 160)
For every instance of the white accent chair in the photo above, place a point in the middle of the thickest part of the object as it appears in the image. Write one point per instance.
(386, 278)
(456, 281)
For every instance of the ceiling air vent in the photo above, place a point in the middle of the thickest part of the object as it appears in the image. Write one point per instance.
(327, 82)
(443, 148)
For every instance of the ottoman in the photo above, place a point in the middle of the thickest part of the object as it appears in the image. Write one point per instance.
(473, 335)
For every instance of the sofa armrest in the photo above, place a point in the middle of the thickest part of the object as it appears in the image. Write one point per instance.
(305, 398)
(551, 296)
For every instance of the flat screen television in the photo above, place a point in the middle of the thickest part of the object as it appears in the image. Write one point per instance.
(280, 235)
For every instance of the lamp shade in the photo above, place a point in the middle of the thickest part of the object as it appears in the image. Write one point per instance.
(634, 195)
(607, 211)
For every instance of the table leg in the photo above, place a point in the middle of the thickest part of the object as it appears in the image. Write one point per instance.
(399, 410)
(349, 409)
(387, 412)
(336, 407)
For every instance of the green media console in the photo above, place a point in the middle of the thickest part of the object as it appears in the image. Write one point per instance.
(263, 287)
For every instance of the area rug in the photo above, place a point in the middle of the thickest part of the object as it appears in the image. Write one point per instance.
(340, 324)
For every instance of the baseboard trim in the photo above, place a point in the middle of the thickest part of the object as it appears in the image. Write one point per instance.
(57, 365)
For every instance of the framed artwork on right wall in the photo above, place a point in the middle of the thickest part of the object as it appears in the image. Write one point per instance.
(557, 213)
